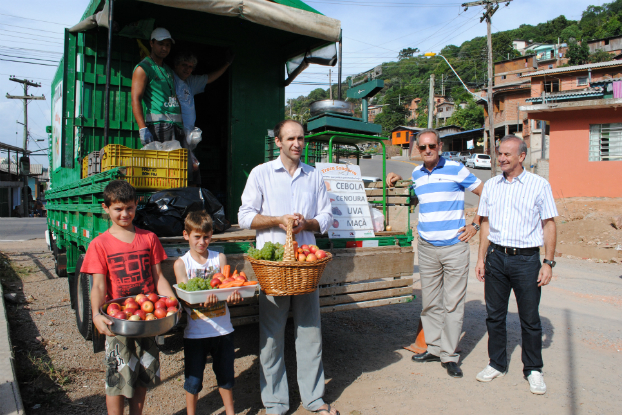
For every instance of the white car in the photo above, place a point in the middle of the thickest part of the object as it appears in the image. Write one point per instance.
(478, 161)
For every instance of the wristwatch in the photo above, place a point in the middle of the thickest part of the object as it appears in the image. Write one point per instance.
(548, 262)
(476, 226)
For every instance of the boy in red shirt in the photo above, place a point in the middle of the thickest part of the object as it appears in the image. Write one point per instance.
(125, 261)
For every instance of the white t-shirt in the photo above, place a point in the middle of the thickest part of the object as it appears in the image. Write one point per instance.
(206, 322)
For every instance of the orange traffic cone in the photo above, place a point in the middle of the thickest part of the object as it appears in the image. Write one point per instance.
(419, 346)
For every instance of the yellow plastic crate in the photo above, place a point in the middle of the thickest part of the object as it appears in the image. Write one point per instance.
(148, 169)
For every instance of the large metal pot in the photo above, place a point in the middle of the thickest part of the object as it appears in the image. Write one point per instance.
(129, 328)
(331, 105)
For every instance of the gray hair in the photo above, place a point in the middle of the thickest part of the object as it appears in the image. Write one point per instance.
(186, 57)
(522, 146)
(429, 131)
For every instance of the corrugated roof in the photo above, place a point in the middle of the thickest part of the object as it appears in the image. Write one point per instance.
(477, 130)
(560, 96)
(573, 68)
(35, 169)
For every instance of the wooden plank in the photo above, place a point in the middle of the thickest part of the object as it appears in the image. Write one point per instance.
(390, 192)
(365, 296)
(399, 183)
(396, 200)
(366, 286)
(234, 233)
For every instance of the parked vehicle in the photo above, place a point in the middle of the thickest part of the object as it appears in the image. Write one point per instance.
(450, 155)
(463, 156)
(242, 106)
(478, 161)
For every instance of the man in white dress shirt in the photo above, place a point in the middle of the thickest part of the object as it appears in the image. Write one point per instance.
(518, 216)
(276, 192)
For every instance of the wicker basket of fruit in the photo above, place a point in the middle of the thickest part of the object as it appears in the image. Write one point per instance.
(286, 269)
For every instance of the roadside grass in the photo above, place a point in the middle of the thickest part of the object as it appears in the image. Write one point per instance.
(40, 382)
(11, 272)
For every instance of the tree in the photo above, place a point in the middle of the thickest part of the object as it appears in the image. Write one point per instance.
(469, 117)
(600, 56)
(407, 53)
(571, 33)
(578, 54)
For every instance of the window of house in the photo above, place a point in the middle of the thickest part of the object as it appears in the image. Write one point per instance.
(582, 81)
(551, 66)
(551, 86)
(398, 134)
(605, 142)
(440, 109)
(606, 42)
(503, 77)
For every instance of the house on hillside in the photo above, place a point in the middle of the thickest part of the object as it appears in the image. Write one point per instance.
(373, 111)
(414, 105)
(520, 45)
(449, 129)
(582, 106)
(444, 110)
(400, 136)
(612, 45)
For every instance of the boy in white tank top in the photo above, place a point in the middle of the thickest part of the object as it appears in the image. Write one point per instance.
(209, 328)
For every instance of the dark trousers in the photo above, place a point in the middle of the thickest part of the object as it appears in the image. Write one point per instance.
(503, 274)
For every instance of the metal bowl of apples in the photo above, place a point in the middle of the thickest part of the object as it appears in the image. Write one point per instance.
(144, 315)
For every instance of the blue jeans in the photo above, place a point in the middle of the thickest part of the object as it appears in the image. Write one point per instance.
(503, 274)
(195, 358)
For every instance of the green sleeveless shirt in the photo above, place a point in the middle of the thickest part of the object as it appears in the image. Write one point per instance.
(160, 104)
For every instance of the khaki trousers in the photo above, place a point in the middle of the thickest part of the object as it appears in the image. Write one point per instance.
(444, 271)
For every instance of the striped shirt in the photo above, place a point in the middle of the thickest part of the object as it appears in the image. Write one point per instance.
(516, 209)
(441, 200)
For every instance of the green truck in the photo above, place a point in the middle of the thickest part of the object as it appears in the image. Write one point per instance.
(91, 107)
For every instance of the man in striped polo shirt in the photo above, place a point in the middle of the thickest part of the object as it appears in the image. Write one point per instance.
(442, 247)
(518, 217)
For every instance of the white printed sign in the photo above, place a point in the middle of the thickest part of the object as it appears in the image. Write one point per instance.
(351, 215)
(57, 126)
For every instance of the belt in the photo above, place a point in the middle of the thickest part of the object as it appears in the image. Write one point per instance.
(515, 251)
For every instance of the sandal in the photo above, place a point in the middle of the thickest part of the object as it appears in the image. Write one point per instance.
(326, 411)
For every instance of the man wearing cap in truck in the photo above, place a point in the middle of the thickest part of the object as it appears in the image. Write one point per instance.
(153, 84)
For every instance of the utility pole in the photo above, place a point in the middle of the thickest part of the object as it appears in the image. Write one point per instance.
(442, 84)
(330, 84)
(25, 98)
(491, 6)
(431, 103)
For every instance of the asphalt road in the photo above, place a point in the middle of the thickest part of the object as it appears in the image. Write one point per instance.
(22, 229)
(404, 168)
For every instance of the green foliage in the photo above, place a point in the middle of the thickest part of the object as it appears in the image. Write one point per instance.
(469, 117)
(571, 33)
(600, 56)
(577, 54)
(407, 53)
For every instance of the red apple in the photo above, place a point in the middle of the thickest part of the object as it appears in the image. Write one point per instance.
(153, 297)
(159, 313)
(171, 309)
(305, 247)
(219, 275)
(215, 282)
(147, 307)
(132, 306)
(313, 248)
(150, 317)
(141, 314)
(129, 313)
(311, 258)
(141, 298)
(306, 252)
(170, 313)
(228, 280)
(113, 306)
(240, 278)
(160, 304)
(320, 254)
(134, 317)
(302, 257)
(171, 302)
(120, 315)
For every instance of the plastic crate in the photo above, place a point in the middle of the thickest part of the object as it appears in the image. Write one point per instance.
(272, 150)
(148, 169)
(91, 164)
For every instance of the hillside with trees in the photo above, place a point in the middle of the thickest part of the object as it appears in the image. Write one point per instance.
(408, 76)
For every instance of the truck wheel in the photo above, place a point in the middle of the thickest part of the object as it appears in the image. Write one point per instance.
(60, 262)
(83, 306)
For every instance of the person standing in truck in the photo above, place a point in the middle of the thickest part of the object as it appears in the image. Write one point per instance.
(187, 86)
(154, 98)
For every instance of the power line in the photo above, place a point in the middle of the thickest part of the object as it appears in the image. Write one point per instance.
(24, 57)
(30, 28)
(29, 38)
(29, 63)
(34, 20)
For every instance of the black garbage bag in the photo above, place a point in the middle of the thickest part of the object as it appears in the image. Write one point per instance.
(165, 212)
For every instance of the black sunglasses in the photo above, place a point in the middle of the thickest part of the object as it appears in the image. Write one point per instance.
(430, 146)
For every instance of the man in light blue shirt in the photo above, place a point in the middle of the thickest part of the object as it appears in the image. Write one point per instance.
(186, 87)
(442, 247)
(281, 190)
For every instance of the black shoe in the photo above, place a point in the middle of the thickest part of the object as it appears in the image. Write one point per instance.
(425, 357)
(453, 369)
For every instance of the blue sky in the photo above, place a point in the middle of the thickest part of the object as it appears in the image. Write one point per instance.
(374, 32)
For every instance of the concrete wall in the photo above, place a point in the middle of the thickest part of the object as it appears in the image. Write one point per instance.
(570, 172)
